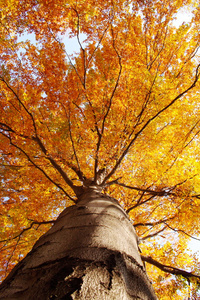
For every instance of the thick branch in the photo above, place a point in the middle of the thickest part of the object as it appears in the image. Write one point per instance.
(169, 269)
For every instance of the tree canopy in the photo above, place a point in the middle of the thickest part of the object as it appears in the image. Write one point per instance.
(122, 110)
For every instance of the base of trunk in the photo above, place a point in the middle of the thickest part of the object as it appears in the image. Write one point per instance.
(91, 252)
(116, 277)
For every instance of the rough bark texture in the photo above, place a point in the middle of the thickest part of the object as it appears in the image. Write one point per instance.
(91, 252)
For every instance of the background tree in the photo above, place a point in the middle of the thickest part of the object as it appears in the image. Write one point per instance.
(126, 107)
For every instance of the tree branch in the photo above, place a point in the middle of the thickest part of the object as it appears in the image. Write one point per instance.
(78, 172)
(28, 228)
(54, 163)
(144, 105)
(153, 234)
(180, 230)
(154, 223)
(149, 191)
(18, 237)
(168, 269)
(139, 203)
(108, 108)
(82, 49)
(149, 121)
(21, 102)
(41, 145)
(37, 167)
(6, 128)
(62, 48)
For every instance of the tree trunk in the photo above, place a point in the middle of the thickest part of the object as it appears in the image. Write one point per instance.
(90, 252)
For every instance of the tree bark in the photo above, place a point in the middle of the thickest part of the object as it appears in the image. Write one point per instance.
(91, 252)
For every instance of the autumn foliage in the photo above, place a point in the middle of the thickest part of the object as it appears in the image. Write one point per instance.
(124, 100)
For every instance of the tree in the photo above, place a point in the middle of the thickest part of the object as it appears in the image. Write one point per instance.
(119, 118)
